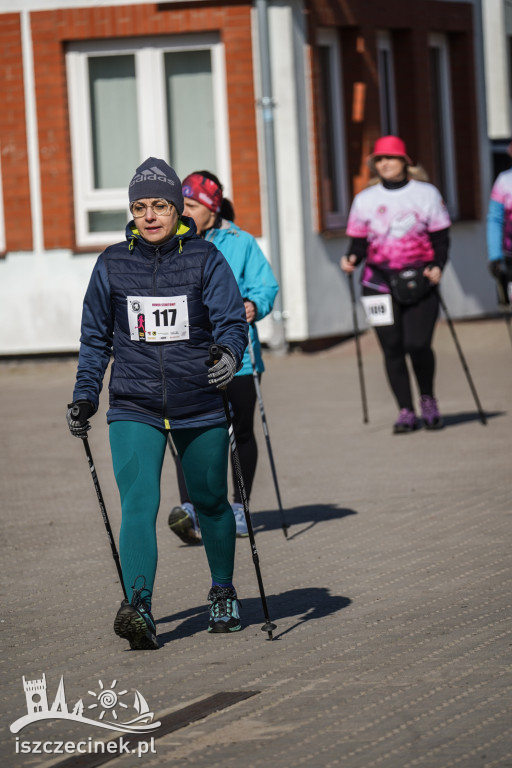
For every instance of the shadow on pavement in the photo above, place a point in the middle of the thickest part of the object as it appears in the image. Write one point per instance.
(303, 604)
(453, 419)
(308, 516)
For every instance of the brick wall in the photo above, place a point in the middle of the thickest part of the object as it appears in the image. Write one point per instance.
(13, 138)
(51, 30)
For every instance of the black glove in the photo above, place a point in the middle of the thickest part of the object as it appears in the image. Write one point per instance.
(223, 370)
(497, 268)
(77, 417)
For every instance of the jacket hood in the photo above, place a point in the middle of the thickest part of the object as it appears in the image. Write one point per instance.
(186, 231)
(226, 228)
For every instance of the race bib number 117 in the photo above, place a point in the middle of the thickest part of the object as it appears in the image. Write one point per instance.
(158, 318)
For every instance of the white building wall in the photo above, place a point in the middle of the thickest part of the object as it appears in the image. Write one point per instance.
(497, 28)
(41, 296)
(289, 163)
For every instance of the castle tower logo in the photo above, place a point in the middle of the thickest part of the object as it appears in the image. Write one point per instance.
(35, 692)
(107, 703)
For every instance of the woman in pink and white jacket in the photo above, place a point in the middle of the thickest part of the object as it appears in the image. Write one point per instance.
(400, 228)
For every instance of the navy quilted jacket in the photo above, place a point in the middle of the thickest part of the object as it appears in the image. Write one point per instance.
(159, 383)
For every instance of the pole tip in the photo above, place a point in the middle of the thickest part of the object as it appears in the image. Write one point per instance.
(268, 627)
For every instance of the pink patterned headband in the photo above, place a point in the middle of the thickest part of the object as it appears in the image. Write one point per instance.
(204, 190)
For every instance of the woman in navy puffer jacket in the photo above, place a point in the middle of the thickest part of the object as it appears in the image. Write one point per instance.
(156, 302)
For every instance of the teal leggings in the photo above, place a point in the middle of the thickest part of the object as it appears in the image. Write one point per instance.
(138, 452)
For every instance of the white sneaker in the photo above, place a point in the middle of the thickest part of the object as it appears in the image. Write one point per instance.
(241, 525)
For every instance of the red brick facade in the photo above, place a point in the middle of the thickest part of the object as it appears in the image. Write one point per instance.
(13, 137)
(51, 30)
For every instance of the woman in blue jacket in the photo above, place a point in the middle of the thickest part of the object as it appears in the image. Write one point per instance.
(156, 302)
(499, 234)
(213, 214)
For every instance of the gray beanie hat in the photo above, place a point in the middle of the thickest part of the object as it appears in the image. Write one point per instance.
(154, 178)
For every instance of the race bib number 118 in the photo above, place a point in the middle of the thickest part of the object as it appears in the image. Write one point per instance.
(158, 318)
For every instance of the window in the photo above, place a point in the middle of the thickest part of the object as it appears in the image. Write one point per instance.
(331, 132)
(388, 121)
(132, 99)
(443, 143)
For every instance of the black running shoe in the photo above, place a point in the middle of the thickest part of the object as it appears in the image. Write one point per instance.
(134, 622)
(224, 613)
(183, 522)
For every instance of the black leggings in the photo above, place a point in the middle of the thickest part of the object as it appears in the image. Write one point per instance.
(411, 334)
(242, 397)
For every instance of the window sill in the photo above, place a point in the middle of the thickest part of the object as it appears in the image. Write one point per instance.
(335, 232)
(84, 250)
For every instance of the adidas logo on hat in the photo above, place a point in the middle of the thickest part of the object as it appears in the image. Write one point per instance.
(151, 174)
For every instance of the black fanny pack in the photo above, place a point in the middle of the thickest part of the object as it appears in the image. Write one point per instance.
(409, 285)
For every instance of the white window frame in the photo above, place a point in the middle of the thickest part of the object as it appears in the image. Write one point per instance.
(440, 42)
(328, 38)
(384, 43)
(151, 95)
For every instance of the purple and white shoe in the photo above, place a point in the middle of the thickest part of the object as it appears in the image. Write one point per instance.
(406, 422)
(432, 419)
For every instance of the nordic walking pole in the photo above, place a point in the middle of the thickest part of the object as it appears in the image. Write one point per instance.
(284, 524)
(358, 347)
(507, 321)
(75, 412)
(215, 353)
(172, 448)
(481, 414)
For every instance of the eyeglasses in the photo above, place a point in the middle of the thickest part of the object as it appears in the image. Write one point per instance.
(159, 208)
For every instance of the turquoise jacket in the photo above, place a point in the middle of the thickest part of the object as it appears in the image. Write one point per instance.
(254, 276)
(496, 218)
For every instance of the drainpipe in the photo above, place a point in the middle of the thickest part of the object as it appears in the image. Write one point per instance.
(267, 104)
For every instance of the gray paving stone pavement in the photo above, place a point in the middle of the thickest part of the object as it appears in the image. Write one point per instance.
(391, 595)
